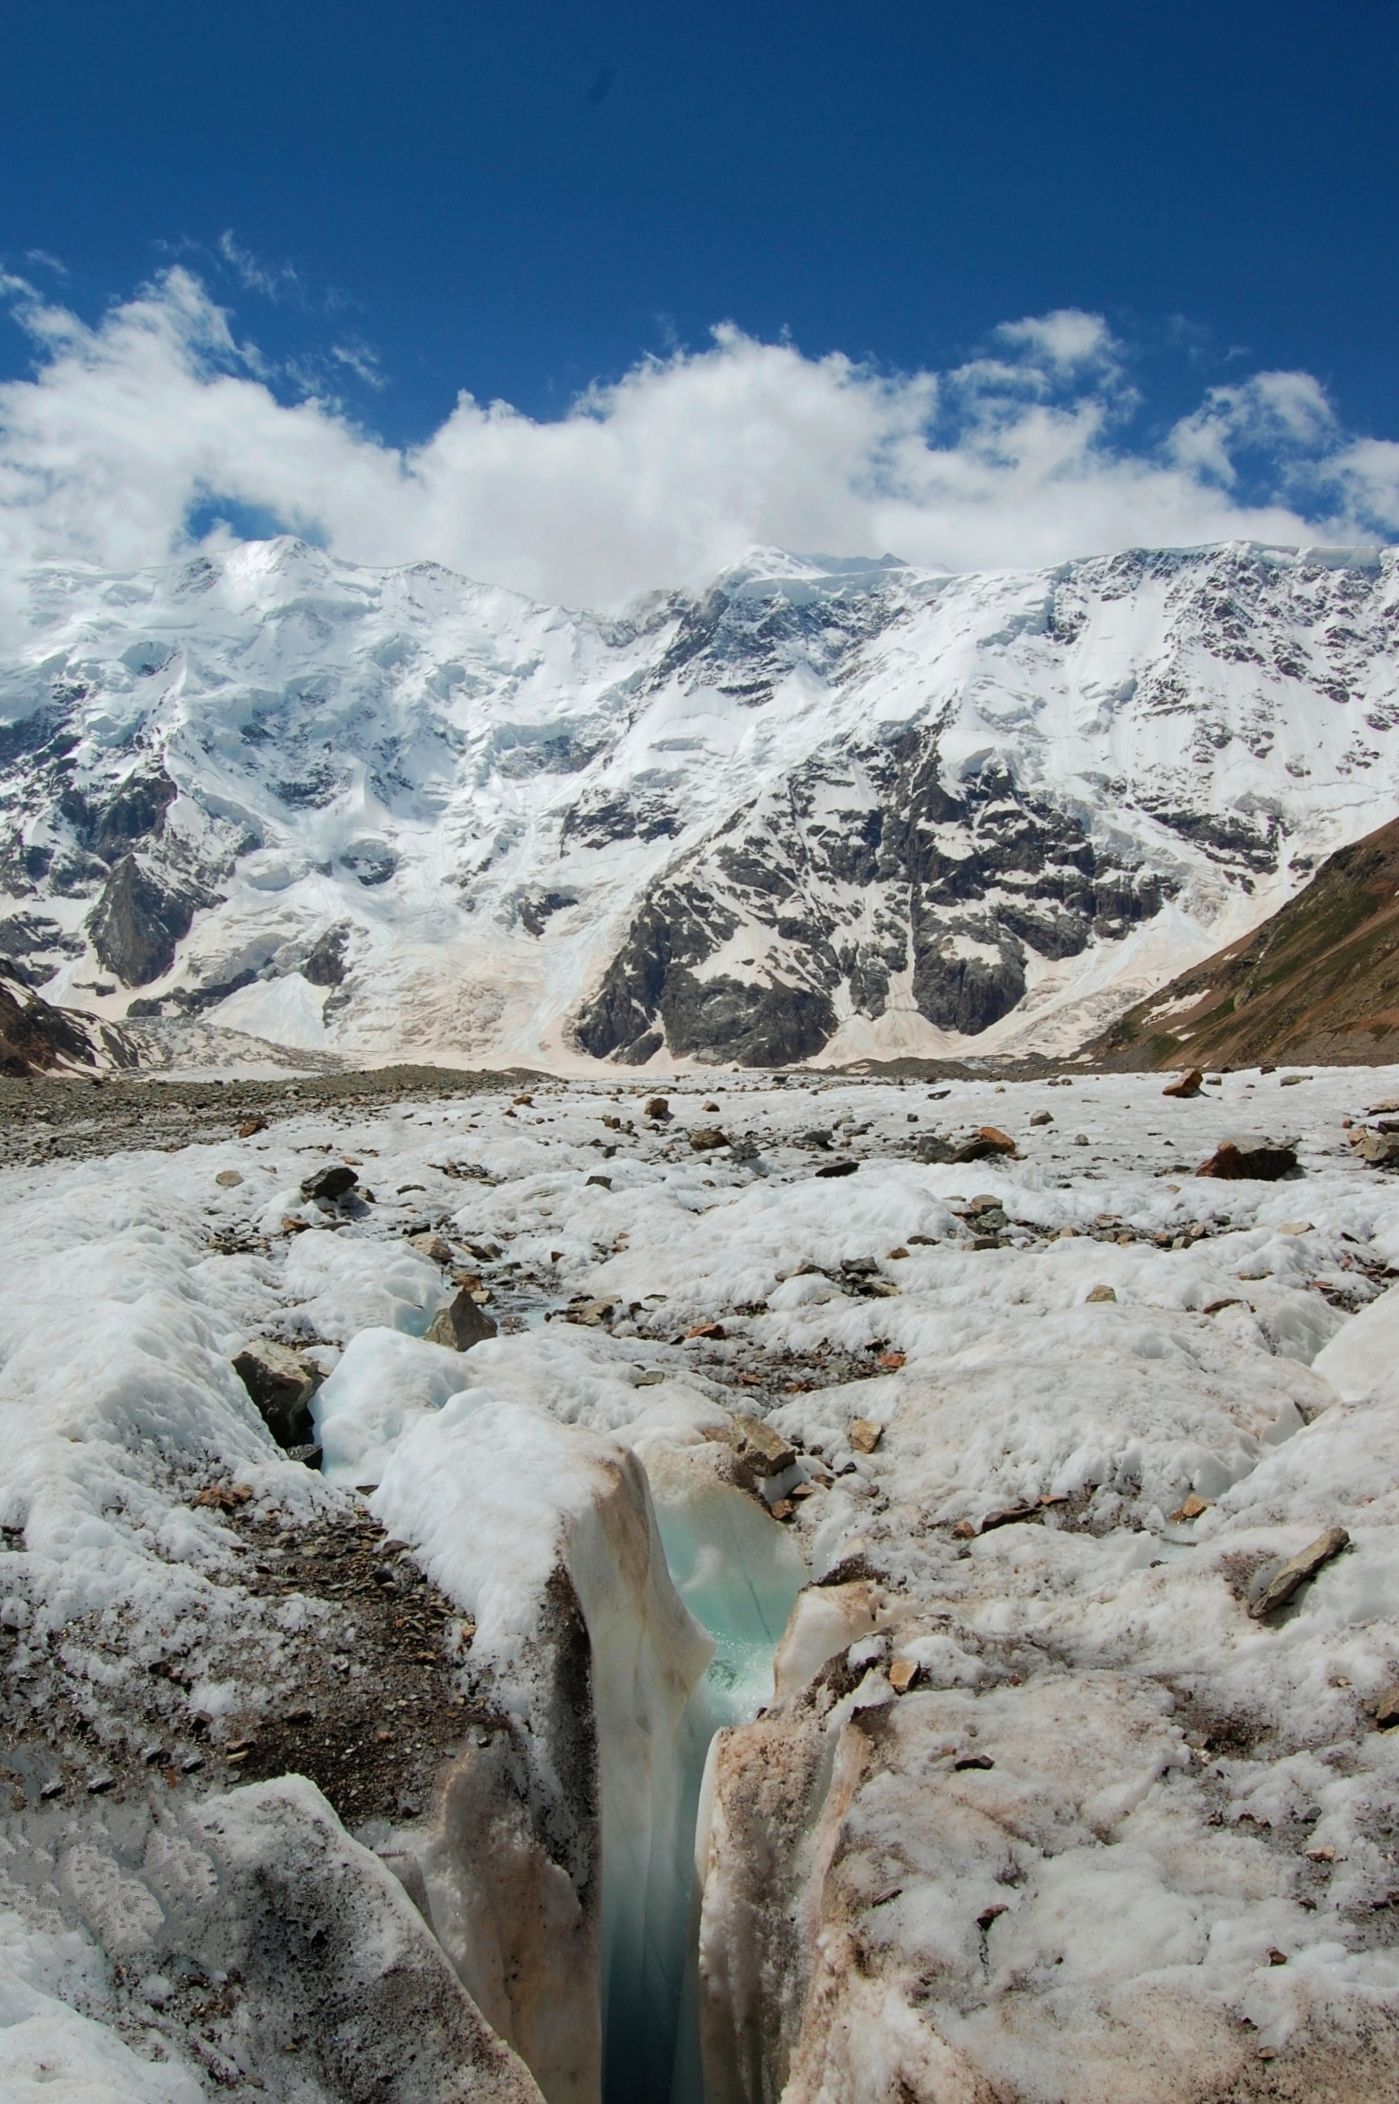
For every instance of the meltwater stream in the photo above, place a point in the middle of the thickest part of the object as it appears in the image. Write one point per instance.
(739, 1574)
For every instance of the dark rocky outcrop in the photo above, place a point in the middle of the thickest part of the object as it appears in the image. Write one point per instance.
(325, 965)
(138, 921)
(133, 814)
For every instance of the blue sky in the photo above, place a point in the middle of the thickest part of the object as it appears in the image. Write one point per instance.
(392, 205)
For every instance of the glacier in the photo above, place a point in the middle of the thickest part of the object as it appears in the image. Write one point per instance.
(945, 1758)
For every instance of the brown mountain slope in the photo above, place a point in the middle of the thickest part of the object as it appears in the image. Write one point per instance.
(1317, 984)
(36, 1038)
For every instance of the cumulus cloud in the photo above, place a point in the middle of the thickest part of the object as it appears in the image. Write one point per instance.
(128, 430)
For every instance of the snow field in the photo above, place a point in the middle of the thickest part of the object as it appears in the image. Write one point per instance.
(1175, 1791)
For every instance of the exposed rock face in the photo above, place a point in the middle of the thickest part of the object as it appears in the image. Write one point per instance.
(138, 922)
(819, 805)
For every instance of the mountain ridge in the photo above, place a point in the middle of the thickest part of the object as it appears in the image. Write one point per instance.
(825, 809)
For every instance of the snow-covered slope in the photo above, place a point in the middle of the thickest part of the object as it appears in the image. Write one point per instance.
(822, 810)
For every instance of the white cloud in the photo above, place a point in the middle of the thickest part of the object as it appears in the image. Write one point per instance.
(1287, 414)
(666, 475)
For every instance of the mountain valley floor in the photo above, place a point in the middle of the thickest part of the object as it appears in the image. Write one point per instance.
(833, 1633)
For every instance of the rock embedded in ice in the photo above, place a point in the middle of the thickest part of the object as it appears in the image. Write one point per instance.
(987, 1141)
(1243, 1160)
(281, 1385)
(461, 1323)
(331, 1183)
(1292, 1575)
(1189, 1084)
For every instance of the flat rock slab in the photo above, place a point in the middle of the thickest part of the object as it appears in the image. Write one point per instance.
(1289, 1576)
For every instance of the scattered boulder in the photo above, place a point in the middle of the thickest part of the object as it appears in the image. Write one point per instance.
(462, 1323)
(1043, 1117)
(657, 1107)
(590, 1314)
(228, 1178)
(1380, 1149)
(1298, 1569)
(281, 1386)
(713, 1331)
(988, 1140)
(864, 1435)
(1191, 1508)
(330, 1184)
(837, 1168)
(1188, 1085)
(933, 1148)
(1100, 1293)
(432, 1247)
(902, 1674)
(705, 1138)
(761, 1451)
(1261, 1161)
(250, 1127)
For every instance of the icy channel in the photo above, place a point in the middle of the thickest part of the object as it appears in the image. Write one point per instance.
(739, 1574)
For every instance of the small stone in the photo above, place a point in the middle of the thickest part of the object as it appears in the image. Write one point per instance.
(1275, 1956)
(1100, 1293)
(251, 1126)
(893, 1256)
(228, 1178)
(336, 1180)
(1297, 1570)
(709, 1107)
(1321, 1855)
(1081, 1139)
(1260, 1163)
(705, 1138)
(1387, 1707)
(1190, 1508)
(902, 1674)
(1380, 1149)
(657, 1107)
(460, 1324)
(890, 1362)
(224, 1497)
(865, 1435)
(713, 1331)
(837, 1169)
(762, 1451)
(590, 1314)
(432, 1247)
(1043, 1117)
(1188, 1085)
(604, 1183)
(782, 1509)
(971, 1763)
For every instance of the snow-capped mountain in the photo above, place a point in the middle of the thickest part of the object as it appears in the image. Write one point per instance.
(823, 810)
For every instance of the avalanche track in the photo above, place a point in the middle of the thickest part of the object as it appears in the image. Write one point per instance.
(811, 1645)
